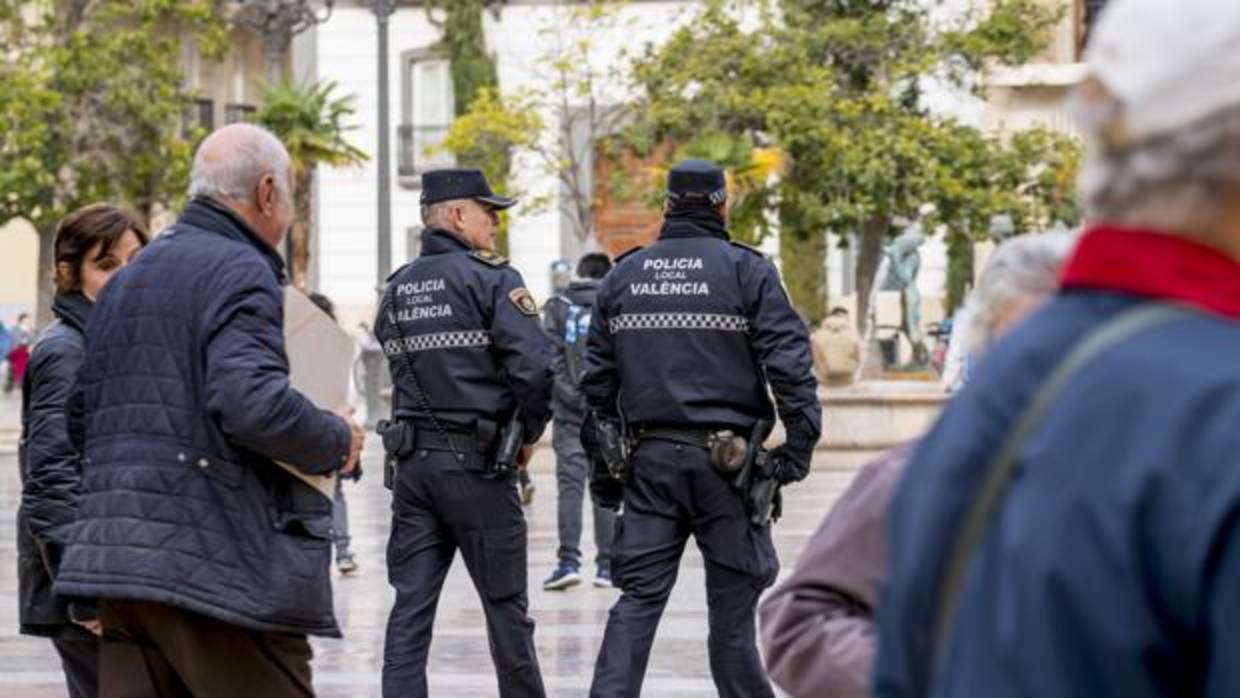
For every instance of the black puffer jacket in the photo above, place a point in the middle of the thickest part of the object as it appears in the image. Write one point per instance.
(50, 463)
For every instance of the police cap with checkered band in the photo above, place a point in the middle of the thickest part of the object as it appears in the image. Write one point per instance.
(696, 183)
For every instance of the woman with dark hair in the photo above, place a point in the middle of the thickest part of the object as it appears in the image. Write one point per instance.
(91, 245)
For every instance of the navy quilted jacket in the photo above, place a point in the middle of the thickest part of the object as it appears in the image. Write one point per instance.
(187, 401)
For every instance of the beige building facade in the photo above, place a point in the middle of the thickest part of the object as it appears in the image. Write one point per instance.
(1034, 94)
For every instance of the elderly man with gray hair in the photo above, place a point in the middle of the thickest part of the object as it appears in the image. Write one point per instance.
(1071, 526)
(818, 626)
(210, 562)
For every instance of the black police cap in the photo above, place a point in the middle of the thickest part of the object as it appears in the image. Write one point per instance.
(462, 183)
(698, 182)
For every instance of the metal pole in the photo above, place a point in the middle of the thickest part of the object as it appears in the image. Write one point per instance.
(382, 11)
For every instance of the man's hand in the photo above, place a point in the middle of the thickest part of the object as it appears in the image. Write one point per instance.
(524, 456)
(356, 438)
(94, 627)
(86, 615)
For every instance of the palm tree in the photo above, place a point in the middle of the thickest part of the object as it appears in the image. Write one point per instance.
(309, 119)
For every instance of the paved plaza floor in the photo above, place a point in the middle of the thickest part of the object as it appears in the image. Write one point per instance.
(569, 623)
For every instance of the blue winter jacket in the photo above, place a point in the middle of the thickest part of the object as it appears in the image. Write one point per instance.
(1112, 568)
(187, 400)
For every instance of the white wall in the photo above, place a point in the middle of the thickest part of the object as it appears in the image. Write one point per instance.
(347, 199)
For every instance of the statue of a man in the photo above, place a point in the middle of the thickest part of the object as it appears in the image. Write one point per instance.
(904, 264)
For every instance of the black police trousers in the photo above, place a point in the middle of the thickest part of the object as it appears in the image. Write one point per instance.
(673, 493)
(439, 507)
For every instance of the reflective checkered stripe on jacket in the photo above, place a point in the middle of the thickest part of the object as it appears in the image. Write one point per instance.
(678, 321)
(437, 340)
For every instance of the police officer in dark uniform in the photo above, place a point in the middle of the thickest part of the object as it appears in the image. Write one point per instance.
(471, 374)
(685, 337)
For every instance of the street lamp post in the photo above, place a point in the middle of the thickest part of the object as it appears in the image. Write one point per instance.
(276, 22)
(383, 10)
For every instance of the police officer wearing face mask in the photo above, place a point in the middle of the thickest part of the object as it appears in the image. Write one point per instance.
(685, 338)
(471, 373)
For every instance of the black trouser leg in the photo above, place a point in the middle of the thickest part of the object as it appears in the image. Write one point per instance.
(650, 538)
(740, 563)
(492, 536)
(735, 666)
(439, 507)
(419, 553)
(79, 656)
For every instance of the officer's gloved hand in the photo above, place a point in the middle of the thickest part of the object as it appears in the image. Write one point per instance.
(790, 461)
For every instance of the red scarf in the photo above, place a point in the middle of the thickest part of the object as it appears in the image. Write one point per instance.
(1156, 265)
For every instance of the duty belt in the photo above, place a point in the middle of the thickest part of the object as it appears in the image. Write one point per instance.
(689, 436)
(467, 441)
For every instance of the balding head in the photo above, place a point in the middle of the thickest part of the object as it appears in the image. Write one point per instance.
(246, 168)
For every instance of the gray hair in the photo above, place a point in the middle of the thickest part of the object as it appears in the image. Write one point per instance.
(1022, 267)
(1178, 182)
(436, 215)
(232, 160)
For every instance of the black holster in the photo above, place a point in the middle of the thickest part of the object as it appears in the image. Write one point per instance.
(399, 438)
(755, 481)
(508, 449)
(606, 443)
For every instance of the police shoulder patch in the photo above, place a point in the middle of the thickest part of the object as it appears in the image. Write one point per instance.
(748, 248)
(524, 300)
(489, 258)
(629, 252)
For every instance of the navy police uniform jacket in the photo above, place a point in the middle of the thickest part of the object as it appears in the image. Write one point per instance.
(1112, 566)
(688, 331)
(187, 403)
(471, 331)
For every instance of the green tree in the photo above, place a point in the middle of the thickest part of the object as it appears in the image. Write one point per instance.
(838, 85)
(91, 98)
(310, 120)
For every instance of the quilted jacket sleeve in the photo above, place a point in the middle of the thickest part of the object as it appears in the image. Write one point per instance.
(247, 383)
(49, 496)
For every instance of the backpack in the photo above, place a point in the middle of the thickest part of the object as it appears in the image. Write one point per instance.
(576, 333)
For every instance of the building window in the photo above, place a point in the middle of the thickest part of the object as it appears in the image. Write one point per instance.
(234, 113)
(427, 110)
(197, 114)
(1087, 12)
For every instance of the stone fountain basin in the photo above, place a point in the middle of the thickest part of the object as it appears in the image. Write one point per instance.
(863, 420)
